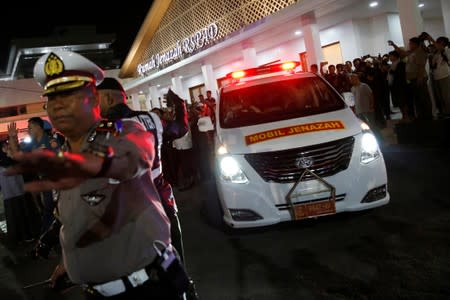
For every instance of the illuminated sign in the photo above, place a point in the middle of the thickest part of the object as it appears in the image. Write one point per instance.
(186, 46)
(292, 130)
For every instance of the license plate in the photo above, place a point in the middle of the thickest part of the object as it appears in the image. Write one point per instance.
(314, 209)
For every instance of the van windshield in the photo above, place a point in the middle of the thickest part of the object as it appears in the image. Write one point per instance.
(276, 101)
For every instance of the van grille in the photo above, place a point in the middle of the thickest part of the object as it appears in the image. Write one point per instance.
(285, 166)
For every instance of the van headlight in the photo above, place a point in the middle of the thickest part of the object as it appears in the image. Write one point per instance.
(369, 148)
(231, 171)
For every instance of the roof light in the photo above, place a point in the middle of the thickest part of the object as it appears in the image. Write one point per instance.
(238, 74)
(288, 65)
(421, 5)
(373, 4)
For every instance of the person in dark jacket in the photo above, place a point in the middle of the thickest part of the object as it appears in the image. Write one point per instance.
(398, 85)
(113, 106)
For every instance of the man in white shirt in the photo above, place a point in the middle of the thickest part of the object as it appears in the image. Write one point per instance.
(364, 102)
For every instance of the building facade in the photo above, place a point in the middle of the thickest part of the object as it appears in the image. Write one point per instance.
(190, 45)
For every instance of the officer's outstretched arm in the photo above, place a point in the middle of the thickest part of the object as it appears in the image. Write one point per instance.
(128, 155)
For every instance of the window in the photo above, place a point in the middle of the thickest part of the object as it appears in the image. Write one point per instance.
(276, 101)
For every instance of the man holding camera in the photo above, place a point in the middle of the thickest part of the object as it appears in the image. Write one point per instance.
(416, 76)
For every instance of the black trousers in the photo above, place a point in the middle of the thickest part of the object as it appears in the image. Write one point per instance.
(18, 225)
(47, 212)
(150, 290)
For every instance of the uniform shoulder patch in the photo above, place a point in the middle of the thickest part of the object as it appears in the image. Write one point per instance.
(106, 127)
(109, 126)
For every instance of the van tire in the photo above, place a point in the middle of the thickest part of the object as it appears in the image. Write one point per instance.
(211, 208)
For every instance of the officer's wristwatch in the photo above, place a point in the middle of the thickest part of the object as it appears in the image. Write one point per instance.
(105, 152)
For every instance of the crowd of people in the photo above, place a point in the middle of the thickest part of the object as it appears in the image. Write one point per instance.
(408, 79)
(190, 158)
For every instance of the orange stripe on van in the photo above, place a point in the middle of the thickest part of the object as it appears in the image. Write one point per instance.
(292, 130)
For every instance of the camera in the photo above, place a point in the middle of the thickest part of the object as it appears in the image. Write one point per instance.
(423, 36)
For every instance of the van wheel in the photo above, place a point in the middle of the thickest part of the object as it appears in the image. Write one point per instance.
(211, 208)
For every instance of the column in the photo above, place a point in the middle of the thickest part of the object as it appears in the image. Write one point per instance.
(312, 38)
(410, 19)
(154, 96)
(135, 105)
(445, 7)
(177, 86)
(250, 60)
(210, 80)
(148, 102)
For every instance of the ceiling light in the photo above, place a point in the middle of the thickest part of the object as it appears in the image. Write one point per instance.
(158, 85)
(421, 5)
(141, 92)
(298, 32)
(181, 76)
(373, 4)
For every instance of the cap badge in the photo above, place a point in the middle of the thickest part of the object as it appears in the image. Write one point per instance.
(53, 65)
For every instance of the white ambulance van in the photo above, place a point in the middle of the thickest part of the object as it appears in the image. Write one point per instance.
(288, 147)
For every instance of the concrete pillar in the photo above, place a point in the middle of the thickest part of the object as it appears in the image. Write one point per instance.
(445, 7)
(135, 105)
(210, 80)
(410, 19)
(250, 60)
(379, 45)
(148, 102)
(154, 96)
(312, 39)
(177, 86)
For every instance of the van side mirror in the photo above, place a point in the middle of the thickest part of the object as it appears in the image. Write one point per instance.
(349, 99)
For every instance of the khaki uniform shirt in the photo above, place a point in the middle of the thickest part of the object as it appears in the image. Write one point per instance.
(109, 225)
(415, 66)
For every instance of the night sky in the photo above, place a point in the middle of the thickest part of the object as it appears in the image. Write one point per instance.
(38, 19)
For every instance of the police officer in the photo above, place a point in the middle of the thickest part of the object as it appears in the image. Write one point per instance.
(40, 140)
(113, 106)
(115, 236)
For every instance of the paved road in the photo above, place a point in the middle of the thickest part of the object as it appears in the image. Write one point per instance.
(399, 251)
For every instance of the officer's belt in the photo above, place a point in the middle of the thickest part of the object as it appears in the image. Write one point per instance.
(119, 286)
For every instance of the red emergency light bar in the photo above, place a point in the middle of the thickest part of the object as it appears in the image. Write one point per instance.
(286, 66)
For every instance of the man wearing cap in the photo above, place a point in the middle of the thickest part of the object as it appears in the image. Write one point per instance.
(115, 236)
(113, 106)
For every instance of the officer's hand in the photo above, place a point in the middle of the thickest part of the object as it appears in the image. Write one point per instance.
(61, 171)
(58, 273)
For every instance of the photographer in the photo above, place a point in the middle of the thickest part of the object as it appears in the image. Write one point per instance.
(416, 76)
(440, 72)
